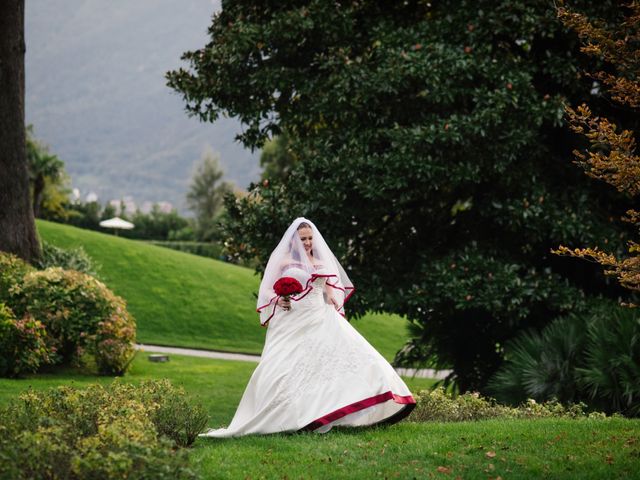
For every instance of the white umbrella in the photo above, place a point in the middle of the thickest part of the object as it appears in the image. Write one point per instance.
(116, 223)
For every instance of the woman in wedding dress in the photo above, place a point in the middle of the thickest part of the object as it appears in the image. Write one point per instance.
(316, 371)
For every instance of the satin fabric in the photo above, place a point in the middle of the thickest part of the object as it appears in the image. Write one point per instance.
(316, 372)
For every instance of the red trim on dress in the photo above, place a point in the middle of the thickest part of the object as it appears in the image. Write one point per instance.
(357, 406)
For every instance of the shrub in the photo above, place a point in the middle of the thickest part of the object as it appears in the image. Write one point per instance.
(22, 344)
(113, 343)
(97, 432)
(12, 271)
(79, 312)
(610, 373)
(552, 408)
(69, 259)
(175, 417)
(439, 406)
(593, 359)
(542, 365)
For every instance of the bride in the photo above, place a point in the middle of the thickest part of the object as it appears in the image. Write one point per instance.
(316, 370)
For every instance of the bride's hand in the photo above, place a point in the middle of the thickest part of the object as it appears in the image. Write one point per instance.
(334, 302)
(284, 303)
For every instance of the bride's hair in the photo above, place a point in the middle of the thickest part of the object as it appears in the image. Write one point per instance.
(304, 225)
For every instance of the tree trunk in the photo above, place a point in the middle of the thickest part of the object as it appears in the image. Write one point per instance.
(17, 225)
(38, 189)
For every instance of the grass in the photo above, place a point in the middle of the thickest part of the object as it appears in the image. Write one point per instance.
(216, 384)
(547, 448)
(515, 449)
(184, 300)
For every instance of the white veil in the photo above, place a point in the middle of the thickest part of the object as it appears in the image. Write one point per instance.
(290, 259)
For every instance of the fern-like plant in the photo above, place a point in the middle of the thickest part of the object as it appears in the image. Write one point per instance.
(610, 376)
(541, 365)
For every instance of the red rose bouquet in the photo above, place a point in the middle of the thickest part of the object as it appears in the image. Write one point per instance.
(287, 286)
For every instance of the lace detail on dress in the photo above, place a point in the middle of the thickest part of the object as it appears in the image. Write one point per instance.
(322, 364)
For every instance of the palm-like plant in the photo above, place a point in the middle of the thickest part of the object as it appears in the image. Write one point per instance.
(610, 375)
(541, 365)
(42, 166)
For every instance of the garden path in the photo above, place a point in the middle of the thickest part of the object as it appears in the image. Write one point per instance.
(245, 357)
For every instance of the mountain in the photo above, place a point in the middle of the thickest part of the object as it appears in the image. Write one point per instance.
(96, 94)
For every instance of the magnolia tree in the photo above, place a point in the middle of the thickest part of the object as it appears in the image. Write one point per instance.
(429, 147)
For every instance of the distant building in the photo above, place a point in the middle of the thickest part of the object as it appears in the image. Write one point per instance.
(165, 207)
(125, 203)
(146, 207)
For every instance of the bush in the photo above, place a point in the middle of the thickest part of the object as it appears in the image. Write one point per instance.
(438, 406)
(594, 359)
(69, 259)
(541, 365)
(22, 344)
(175, 417)
(610, 373)
(79, 312)
(97, 432)
(12, 271)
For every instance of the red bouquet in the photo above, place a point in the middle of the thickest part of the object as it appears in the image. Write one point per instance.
(287, 286)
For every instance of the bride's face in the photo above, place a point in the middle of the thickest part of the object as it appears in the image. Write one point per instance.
(306, 237)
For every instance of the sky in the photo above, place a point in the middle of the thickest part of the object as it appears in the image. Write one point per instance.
(96, 95)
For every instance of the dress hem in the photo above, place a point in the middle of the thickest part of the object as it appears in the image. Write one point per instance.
(407, 400)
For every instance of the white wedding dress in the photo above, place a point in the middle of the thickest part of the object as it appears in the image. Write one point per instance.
(317, 372)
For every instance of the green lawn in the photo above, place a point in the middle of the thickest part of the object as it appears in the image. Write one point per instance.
(549, 448)
(184, 300)
(515, 449)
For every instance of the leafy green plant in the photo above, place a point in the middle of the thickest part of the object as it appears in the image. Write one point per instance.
(12, 271)
(97, 432)
(610, 371)
(439, 406)
(80, 313)
(589, 357)
(69, 259)
(23, 347)
(542, 365)
(175, 416)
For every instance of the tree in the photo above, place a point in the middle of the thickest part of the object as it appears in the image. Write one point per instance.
(205, 196)
(55, 203)
(429, 146)
(156, 225)
(108, 212)
(611, 155)
(44, 169)
(277, 159)
(87, 214)
(17, 225)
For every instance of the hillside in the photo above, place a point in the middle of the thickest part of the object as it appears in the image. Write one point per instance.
(184, 300)
(96, 93)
